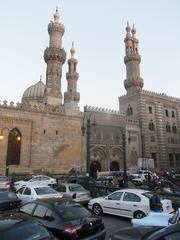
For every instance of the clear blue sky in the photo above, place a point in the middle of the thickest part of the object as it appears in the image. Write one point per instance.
(97, 28)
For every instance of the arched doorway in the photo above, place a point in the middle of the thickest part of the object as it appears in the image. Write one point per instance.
(114, 166)
(99, 155)
(95, 167)
(14, 147)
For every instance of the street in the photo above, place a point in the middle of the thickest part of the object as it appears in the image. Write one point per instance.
(114, 223)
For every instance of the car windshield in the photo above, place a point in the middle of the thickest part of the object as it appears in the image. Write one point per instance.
(26, 232)
(27, 178)
(2, 179)
(44, 190)
(7, 195)
(75, 188)
(70, 212)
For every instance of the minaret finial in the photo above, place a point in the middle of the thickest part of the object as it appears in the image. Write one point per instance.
(40, 77)
(72, 50)
(56, 16)
(133, 30)
(128, 29)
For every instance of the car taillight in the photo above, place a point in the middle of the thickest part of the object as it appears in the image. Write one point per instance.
(71, 230)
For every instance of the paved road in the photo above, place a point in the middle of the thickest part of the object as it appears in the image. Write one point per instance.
(114, 223)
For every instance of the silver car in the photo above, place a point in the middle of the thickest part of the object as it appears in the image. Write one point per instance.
(31, 193)
(4, 183)
(74, 190)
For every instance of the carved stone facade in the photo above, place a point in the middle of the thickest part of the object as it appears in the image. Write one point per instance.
(50, 129)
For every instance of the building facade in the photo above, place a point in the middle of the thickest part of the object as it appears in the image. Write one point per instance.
(44, 131)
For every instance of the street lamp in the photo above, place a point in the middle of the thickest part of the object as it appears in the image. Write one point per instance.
(12, 133)
(87, 129)
(124, 160)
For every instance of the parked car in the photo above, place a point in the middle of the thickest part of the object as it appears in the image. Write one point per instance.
(17, 227)
(148, 233)
(132, 203)
(158, 219)
(78, 193)
(4, 183)
(30, 193)
(9, 201)
(35, 180)
(66, 219)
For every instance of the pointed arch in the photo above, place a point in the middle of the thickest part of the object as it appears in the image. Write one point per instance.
(14, 147)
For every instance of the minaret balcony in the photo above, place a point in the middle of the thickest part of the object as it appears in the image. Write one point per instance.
(132, 57)
(55, 54)
(55, 27)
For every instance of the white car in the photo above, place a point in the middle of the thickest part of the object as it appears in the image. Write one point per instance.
(30, 193)
(74, 190)
(40, 180)
(131, 203)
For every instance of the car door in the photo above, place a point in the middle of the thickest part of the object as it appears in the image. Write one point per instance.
(111, 203)
(130, 203)
(24, 194)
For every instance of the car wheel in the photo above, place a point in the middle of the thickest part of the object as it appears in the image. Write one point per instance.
(97, 209)
(139, 214)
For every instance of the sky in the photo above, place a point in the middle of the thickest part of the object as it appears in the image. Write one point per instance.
(97, 28)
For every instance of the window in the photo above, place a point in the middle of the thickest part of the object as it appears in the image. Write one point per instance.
(174, 128)
(129, 110)
(62, 188)
(151, 126)
(28, 208)
(115, 196)
(21, 190)
(173, 114)
(150, 109)
(168, 127)
(27, 191)
(131, 197)
(166, 113)
(40, 211)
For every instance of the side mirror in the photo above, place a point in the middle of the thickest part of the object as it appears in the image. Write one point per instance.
(106, 198)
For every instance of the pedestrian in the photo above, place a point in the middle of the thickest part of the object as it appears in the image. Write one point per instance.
(155, 202)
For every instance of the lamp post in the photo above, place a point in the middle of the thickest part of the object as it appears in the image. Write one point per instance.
(12, 132)
(87, 129)
(124, 160)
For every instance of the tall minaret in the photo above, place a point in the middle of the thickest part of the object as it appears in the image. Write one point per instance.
(71, 97)
(132, 60)
(54, 56)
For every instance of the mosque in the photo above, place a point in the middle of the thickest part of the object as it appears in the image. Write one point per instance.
(46, 131)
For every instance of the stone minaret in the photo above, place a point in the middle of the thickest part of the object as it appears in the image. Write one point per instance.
(132, 60)
(71, 97)
(54, 56)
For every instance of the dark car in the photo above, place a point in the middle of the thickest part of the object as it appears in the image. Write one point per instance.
(9, 201)
(66, 219)
(171, 232)
(19, 227)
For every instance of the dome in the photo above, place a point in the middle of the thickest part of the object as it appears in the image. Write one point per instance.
(34, 92)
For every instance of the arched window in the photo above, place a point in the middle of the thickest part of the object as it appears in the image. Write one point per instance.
(168, 127)
(129, 110)
(151, 126)
(174, 128)
(14, 147)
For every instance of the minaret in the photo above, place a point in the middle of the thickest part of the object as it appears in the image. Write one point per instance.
(54, 56)
(71, 97)
(132, 60)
